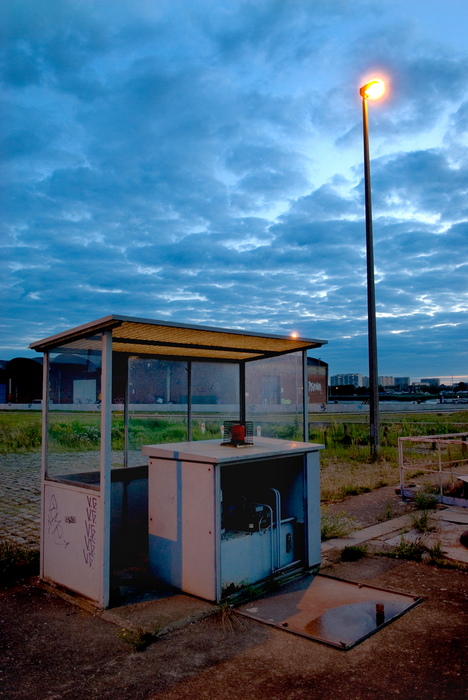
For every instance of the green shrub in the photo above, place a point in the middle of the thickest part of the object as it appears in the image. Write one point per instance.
(424, 500)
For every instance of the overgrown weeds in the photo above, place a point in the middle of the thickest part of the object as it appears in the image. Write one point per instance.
(421, 523)
(387, 514)
(335, 525)
(407, 549)
(229, 619)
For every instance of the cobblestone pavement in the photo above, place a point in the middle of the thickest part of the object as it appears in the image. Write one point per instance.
(20, 481)
(20, 498)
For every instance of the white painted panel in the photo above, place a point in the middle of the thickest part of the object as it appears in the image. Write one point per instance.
(198, 530)
(72, 549)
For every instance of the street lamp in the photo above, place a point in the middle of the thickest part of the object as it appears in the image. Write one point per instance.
(371, 91)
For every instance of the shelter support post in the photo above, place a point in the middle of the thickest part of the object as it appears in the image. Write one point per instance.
(305, 397)
(105, 488)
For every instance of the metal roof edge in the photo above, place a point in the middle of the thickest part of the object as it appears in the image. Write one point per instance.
(114, 320)
(78, 331)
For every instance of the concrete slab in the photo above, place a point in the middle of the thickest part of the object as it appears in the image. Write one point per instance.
(160, 616)
(368, 533)
(452, 514)
(448, 525)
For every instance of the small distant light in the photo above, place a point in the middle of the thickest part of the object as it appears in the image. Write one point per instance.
(294, 334)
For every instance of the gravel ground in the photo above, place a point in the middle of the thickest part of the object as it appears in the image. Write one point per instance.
(50, 650)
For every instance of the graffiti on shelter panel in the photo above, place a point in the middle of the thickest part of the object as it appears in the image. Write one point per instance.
(54, 523)
(89, 549)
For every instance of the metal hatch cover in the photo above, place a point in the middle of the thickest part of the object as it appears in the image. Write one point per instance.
(330, 610)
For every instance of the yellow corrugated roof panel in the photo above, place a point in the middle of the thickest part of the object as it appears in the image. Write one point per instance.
(145, 336)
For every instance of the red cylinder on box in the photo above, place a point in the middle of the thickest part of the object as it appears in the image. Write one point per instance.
(238, 433)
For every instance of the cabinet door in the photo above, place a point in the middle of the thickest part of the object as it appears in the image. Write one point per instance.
(182, 525)
(314, 552)
(199, 530)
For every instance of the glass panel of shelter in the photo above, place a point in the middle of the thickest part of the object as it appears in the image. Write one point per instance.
(214, 398)
(150, 403)
(274, 396)
(157, 403)
(74, 418)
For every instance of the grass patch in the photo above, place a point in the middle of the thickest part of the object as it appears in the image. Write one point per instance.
(346, 466)
(353, 553)
(20, 432)
(406, 549)
(419, 551)
(342, 477)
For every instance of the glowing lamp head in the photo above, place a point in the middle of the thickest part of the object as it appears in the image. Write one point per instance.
(373, 90)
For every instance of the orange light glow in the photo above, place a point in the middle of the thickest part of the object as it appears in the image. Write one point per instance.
(373, 90)
(294, 334)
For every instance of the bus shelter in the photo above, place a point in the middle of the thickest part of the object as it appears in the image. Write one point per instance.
(131, 376)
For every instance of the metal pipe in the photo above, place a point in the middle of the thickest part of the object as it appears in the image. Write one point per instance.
(278, 526)
(272, 563)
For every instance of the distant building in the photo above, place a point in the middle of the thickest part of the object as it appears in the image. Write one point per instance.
(20, 380)
(346, 380)
(430, 382)
(76, 379)
(317, 380)
(386, 381)
(403, 382)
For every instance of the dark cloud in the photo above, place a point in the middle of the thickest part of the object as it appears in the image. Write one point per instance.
(203, 163)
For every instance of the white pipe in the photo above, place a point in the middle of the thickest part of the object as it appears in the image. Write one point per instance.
(265, 505)
(278, 526)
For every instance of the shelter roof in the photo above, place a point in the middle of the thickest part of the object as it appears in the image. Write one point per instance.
(165, 338)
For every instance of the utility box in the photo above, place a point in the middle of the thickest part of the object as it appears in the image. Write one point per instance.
(222, 518)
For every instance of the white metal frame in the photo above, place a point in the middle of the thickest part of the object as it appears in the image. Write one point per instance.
(444, 467)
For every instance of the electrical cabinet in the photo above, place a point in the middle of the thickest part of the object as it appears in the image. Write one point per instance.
(222, 518)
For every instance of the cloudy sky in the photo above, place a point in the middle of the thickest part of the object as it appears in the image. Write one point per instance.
(201, 161)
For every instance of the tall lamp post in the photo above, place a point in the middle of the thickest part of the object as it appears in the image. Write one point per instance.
(371, 91)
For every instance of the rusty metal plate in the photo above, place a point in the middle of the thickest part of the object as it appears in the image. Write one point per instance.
(329, 610)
